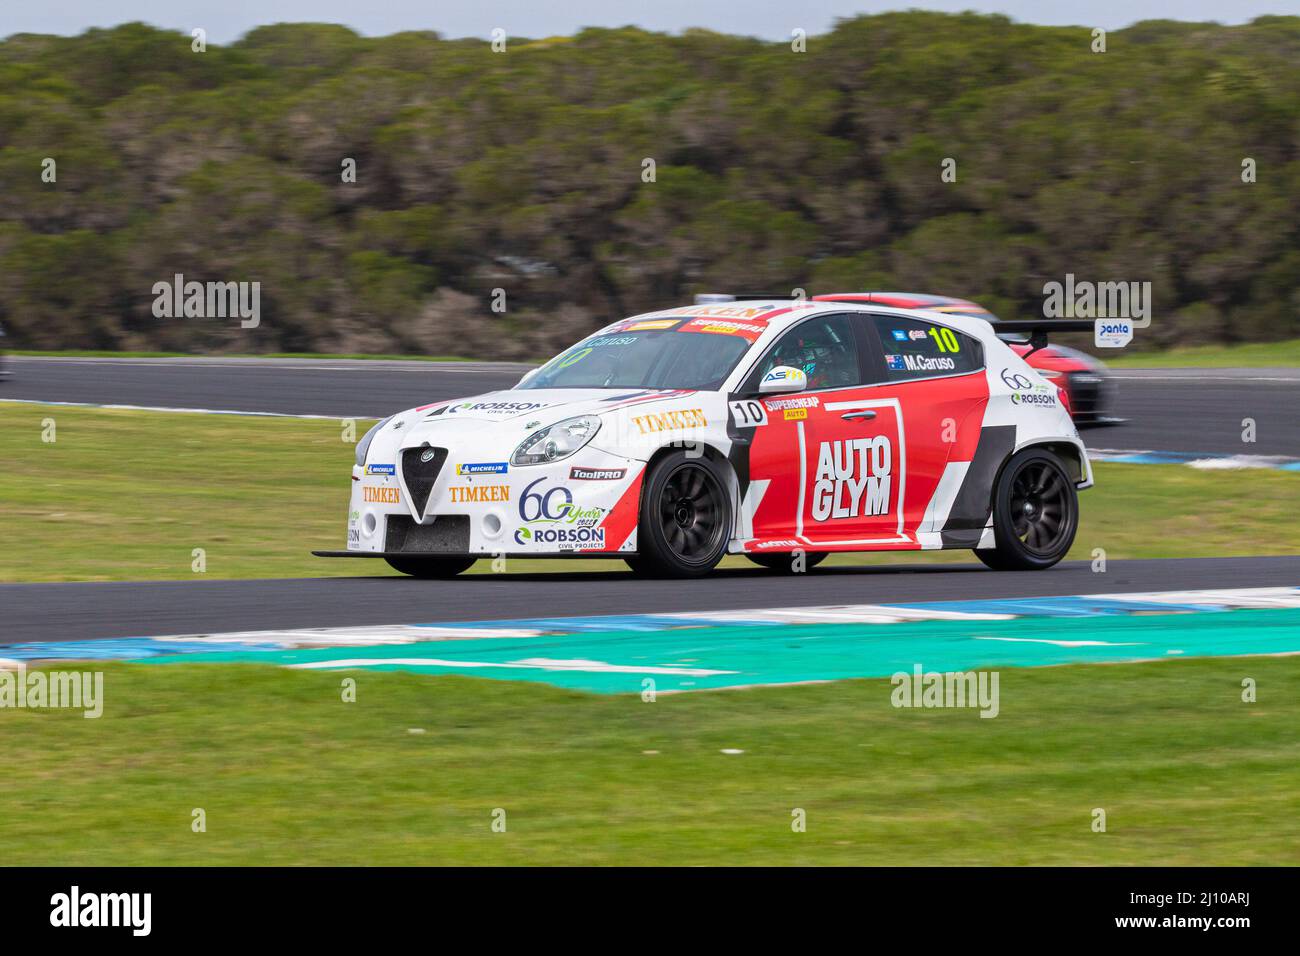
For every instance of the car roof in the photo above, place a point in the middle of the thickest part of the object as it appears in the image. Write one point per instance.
(909, 300)
(779, 314)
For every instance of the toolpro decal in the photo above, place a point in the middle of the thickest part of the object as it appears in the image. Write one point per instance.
(853, 478)
(596, 474)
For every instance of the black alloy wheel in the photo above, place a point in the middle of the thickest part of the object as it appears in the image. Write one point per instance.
(1035, 513)
(685, 518)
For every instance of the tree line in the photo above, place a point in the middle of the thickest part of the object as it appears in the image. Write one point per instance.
(414, 194)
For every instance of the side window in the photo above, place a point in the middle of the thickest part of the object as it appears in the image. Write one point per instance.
(914, 348)
(824, 347)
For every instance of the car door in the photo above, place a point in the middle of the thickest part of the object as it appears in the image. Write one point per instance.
(932, 378)
(820, 465)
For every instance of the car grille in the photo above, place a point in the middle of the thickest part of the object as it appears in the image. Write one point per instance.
(447, 534)
(1089, 393)
(421, 475)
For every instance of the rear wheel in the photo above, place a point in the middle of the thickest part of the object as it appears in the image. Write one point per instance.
(785, 563)
(685, 518)
(1035, 513)
(419, 567)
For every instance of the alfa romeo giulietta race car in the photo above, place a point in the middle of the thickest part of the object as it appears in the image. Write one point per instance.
(782, 430)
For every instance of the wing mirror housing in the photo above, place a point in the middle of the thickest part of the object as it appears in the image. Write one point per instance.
(782, 380)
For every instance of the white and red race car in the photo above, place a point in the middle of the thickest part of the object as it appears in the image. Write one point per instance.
(782, 430)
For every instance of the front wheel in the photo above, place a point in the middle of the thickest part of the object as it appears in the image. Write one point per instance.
(685, 519)
(418, 567)
(1035, 513)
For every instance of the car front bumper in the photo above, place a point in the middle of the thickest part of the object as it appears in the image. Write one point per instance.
(463, 503)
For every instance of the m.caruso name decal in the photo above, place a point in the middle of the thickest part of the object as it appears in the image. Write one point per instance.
(919, 363)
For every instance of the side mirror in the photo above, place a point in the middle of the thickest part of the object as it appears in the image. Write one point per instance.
(783, 379)
(527, 375)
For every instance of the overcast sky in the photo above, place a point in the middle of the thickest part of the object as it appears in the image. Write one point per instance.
(225, 20)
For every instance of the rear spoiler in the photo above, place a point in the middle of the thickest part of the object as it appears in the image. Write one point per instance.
(1038, 329)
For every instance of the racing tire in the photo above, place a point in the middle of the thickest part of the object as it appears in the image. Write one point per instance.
(418, 567)
(783, 562)
(1035, 513)
(685, 518)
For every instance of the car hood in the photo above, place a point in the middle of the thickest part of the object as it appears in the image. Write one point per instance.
(489, 425)
(546, 405)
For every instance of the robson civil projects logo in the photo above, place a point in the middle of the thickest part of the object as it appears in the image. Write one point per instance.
(75, 909)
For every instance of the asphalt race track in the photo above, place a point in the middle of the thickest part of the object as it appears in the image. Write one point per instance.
(339, 388)
(80, 611)
(1184, 410)
(1180, 410)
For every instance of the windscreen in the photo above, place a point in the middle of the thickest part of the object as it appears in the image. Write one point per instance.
(645, 359)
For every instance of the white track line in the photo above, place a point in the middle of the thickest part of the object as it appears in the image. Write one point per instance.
(189, 411)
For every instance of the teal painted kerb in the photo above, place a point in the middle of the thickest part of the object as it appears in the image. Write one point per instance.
(766, 654)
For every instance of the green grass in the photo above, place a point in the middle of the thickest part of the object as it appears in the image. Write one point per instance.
(1251, 355)
(287, 773)
(128, 495)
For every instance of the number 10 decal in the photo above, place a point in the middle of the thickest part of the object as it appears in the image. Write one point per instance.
(945, 339)
(748, 413)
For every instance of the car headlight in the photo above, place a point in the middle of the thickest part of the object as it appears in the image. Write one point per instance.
(556, 441)
(363, 446)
